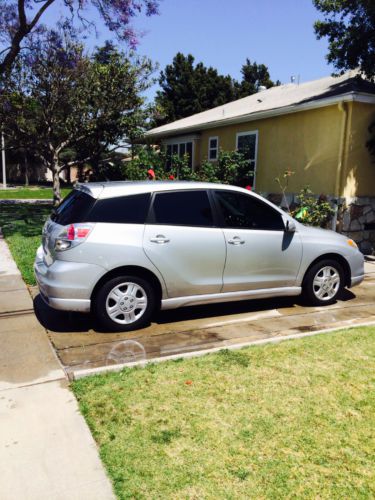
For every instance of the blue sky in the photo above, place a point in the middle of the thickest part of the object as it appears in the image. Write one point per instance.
(222, 33)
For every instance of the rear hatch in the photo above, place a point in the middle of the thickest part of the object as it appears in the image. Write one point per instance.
(73, 209)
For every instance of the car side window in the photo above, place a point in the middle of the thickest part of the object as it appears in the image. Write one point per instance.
(131, 209)
(247, 212)
(182, 208)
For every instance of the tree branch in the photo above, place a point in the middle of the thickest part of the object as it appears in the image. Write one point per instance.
(22, 31)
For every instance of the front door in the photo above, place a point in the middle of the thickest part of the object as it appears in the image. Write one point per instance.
(260, 253)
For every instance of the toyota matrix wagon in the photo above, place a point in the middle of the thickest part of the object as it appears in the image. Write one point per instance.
(124, 249)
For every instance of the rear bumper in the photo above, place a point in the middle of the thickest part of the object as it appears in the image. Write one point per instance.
(66, 286)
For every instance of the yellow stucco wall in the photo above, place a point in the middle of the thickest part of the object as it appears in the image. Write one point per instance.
(197, 159)
(310, 143)
(358, 177)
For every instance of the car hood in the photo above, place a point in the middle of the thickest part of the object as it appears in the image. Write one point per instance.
(317, 232)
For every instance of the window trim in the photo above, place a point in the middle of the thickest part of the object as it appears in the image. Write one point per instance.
(256, 133)
(183, 140)
(151, 219)
(211, 149)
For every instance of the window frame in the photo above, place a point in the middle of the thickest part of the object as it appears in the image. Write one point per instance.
(216, 137)
(256, 133)
(182, 140)
(151, 219)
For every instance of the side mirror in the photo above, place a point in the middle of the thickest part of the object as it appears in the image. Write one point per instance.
(290, 226)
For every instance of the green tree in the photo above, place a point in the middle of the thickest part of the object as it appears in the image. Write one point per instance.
(70, 109)
(254, 76)
(349, 26)
(187, 89)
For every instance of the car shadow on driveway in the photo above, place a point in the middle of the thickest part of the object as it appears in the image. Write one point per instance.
(66, 322)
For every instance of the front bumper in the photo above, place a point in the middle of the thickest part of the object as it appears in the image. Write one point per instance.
(66, 286)
(356, 280)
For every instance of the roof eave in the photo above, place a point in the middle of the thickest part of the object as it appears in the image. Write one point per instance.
(294, 108)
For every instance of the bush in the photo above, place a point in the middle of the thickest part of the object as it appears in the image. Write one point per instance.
(311, 210)
(231, 168)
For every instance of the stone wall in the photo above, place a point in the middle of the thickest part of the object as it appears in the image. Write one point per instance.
(357, 220)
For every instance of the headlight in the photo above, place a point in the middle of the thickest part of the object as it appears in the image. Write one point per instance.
(352, 243)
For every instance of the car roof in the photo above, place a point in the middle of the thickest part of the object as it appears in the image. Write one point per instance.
(123, 188)
(112, 189)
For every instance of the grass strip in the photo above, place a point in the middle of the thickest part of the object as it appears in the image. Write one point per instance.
(292, 420)
(22, 228)
(31, 193)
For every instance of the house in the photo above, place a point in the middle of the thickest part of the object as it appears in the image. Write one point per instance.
(318, 129)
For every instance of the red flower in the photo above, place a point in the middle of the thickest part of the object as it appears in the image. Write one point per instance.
(171, 177)
(248, 188)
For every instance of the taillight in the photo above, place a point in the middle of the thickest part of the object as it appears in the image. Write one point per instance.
(73, 235)
(70, 233)
(78, 231)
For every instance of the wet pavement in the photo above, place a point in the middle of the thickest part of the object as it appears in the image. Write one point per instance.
(81, 345)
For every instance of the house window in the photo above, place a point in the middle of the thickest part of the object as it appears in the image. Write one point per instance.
(213, 148)
(179, 149)
(247, 144)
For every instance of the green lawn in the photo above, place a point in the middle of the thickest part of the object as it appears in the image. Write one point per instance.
(22, 227)
(32, 193)
(293, 420)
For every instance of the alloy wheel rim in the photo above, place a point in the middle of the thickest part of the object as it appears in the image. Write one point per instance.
(326, 283)
(126, 303)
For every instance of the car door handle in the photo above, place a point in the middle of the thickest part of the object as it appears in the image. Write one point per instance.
(159, 238)
(236, 240)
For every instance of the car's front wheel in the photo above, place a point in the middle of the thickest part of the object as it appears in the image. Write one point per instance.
(323, 282)
(124, 303)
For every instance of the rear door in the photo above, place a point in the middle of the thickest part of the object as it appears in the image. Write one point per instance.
(181, 240)
(260, 253)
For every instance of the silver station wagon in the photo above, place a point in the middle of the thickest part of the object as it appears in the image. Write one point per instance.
(124, 249)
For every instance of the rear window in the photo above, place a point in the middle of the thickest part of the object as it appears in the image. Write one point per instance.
(121, 210)
(73, 208)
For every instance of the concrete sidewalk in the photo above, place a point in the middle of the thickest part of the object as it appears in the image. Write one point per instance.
(46, 448)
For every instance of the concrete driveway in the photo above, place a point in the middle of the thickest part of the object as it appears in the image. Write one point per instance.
(80, 345)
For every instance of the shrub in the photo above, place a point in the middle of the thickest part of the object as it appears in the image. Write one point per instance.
(312, 210)
(230, 168)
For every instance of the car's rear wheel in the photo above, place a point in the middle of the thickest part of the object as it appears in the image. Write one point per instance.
(323, 282)
(124, 303)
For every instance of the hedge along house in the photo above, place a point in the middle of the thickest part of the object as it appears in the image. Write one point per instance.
(317, 129)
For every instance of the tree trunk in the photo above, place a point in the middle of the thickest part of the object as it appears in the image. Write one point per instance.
(26, 167)
(56, 182)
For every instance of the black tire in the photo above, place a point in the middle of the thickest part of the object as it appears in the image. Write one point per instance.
(323, 283)
(132, 300)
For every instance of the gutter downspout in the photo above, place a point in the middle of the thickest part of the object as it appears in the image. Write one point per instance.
(343, 107)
